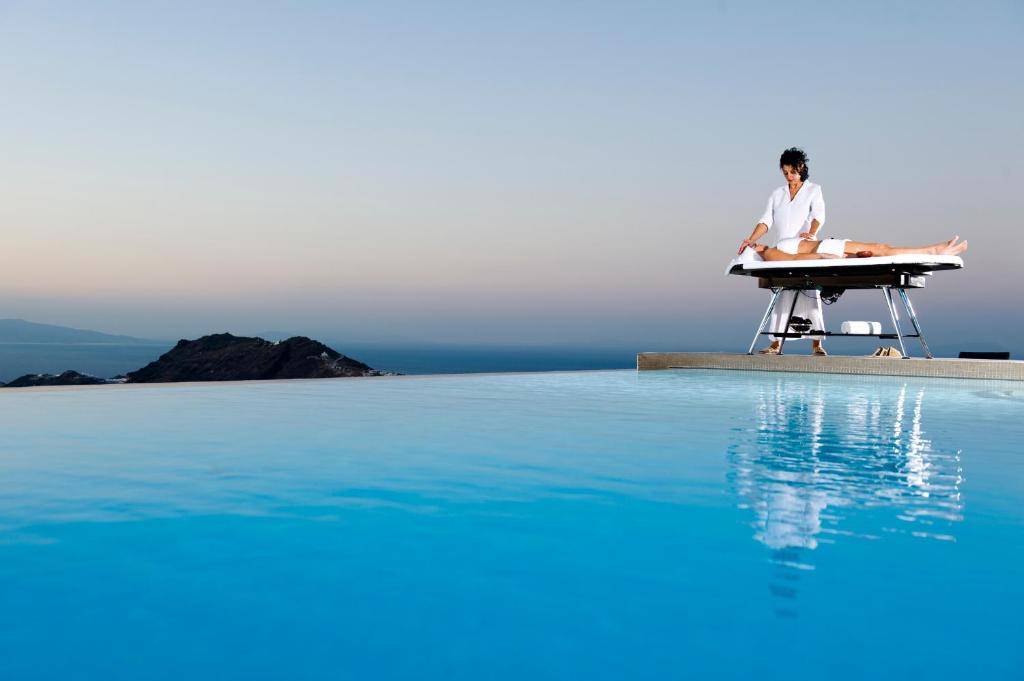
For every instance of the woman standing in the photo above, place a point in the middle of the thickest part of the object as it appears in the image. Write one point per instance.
(794, 210)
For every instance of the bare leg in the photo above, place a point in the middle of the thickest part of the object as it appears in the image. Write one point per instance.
(950, 247)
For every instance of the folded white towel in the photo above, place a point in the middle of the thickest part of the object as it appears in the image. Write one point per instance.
(748, 256)
(861, 327)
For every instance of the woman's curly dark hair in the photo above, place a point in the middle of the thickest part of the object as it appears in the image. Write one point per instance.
(796, 157)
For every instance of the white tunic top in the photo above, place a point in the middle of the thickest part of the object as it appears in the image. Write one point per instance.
(787, 219)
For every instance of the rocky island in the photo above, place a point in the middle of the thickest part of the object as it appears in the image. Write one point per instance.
(64, 378)
(225, 357)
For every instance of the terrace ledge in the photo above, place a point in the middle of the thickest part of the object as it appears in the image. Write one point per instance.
(1009, 370)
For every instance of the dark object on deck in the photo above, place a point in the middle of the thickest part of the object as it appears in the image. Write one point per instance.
(223, 357)
(984, 355)
(64, 378)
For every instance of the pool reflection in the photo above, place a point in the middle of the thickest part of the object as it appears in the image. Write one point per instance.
(815, 470)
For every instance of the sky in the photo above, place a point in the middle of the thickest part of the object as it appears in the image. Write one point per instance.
(466, 172)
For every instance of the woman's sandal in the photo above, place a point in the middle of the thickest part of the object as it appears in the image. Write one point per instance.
(770, 350)
(819, 351)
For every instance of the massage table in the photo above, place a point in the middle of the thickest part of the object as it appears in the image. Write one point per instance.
(900, 272)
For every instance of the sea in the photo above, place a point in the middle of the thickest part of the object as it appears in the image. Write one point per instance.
(108, 360)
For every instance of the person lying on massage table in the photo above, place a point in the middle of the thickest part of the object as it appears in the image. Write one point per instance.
(800, 249)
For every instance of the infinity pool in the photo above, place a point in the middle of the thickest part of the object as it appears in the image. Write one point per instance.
(592, 525)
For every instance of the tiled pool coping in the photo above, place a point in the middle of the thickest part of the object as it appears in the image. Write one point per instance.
(1010, 370)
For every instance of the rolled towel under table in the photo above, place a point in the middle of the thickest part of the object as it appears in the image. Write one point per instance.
(861, 328)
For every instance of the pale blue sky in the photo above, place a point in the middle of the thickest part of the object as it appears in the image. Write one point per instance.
(473, 172)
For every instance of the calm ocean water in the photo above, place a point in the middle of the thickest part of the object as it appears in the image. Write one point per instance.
(18, 359)
(104, 360)
(587, 525)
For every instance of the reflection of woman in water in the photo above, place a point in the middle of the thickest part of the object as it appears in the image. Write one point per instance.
(863, 451)
(820, 457)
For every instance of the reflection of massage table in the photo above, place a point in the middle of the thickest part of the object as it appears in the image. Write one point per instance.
(898, 272)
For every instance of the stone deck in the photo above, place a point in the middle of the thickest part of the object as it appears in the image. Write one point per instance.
(1010, 370)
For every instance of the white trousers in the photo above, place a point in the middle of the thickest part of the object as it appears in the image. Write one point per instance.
(808, 306)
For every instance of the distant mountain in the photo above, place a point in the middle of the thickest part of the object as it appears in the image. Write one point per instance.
(224, 357)
(64, 378)
(21, 331)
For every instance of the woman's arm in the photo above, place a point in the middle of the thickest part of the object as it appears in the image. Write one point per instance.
(762, 227)
(817, 214)
(759, 231)
(811, 235)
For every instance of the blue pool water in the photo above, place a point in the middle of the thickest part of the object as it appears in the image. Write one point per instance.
(593, 525)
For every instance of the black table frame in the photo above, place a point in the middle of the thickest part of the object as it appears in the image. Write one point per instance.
(884, 277)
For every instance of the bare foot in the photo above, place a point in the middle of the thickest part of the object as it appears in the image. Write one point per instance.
(957, 249)
(941, 247)
(953, 247)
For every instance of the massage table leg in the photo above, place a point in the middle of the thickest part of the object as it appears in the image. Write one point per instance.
(913, 318)
(768, 313)
(887, 294)
(789, 320)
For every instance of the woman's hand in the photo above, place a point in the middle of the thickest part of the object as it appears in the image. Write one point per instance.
(744, 244)
(808, 236)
